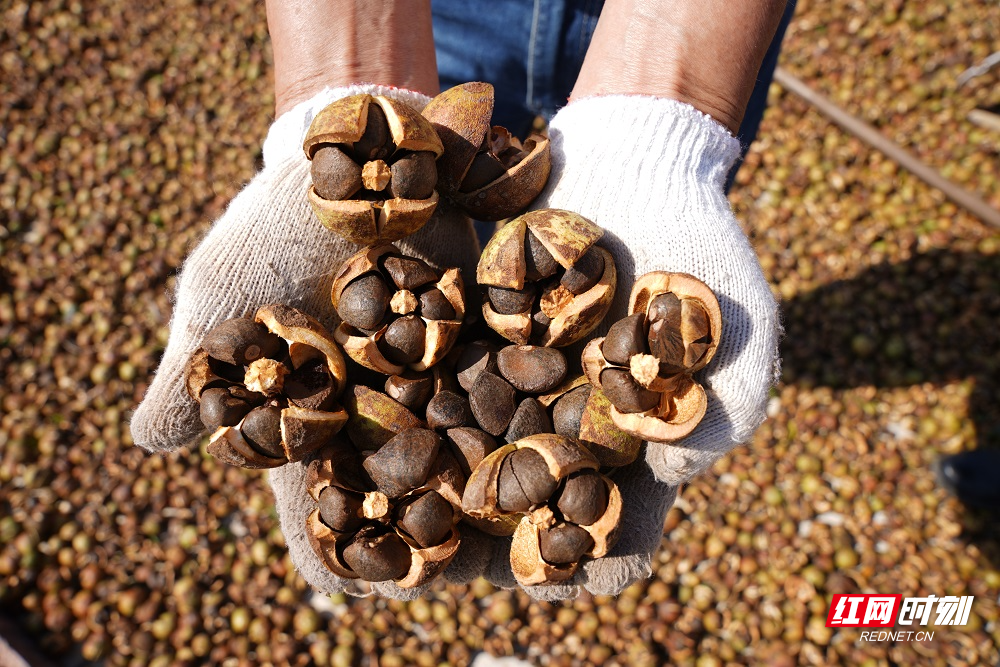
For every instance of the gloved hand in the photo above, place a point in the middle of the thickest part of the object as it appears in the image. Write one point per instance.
(651, 172)
(268, 247)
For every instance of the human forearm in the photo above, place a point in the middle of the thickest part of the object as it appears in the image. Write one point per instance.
(704, 53)
(320, 43)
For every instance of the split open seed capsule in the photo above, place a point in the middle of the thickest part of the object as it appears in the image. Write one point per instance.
(390, 514)
(373, 168)
(568, 509)
(547, 281)
(268, 387)
(645, 364)
(396, 312)
(484, 170)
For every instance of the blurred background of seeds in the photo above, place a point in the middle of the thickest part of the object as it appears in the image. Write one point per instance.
(126, 127)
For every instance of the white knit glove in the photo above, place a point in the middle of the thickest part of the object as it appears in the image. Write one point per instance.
(268, 247)
(651, 172)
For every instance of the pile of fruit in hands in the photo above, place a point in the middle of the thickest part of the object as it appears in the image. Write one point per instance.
(415, 419)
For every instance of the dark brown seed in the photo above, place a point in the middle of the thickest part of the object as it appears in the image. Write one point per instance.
(510, 495)
(376, 142)
(469, 446)
(242, 393)
(510, 301)
(349, 471)
(229, 372)
(666, 344)
(665, 307)
(529, 419)
(583, 498)
(484, 170)
(564, 544)
(532, 369)
(410, 389)
(524, 481)
(428, 519)
(568, 411)
(447, 409)
(475, 358)
(340, 509)
(262, 430)
(539, 324)
(539, 262)
(408, 272)
(335, 175)
(625, 338)
(625, 393)
(403, 463)
(413, 176)
(533, 474)
(364, 301)
(585, 273)
(434, 305)
(220, 408)
(377, 557)
(241, 341)
(310, 386)
(404, 340)
(493, 402)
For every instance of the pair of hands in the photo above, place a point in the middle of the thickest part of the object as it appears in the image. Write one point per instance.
(650, 171)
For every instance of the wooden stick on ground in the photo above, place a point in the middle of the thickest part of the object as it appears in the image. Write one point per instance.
(871, 136)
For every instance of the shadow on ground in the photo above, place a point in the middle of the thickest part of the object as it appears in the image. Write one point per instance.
(934, 318)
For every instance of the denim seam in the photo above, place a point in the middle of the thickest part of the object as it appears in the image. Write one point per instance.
(530, 70)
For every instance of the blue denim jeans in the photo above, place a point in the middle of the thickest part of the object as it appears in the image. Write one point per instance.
(532, 51)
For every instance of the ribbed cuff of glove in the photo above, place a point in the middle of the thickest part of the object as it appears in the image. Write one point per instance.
(635, 135)
(627, 158)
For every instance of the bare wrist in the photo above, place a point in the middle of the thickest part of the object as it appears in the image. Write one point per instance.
(705, 54)
(320, 43)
